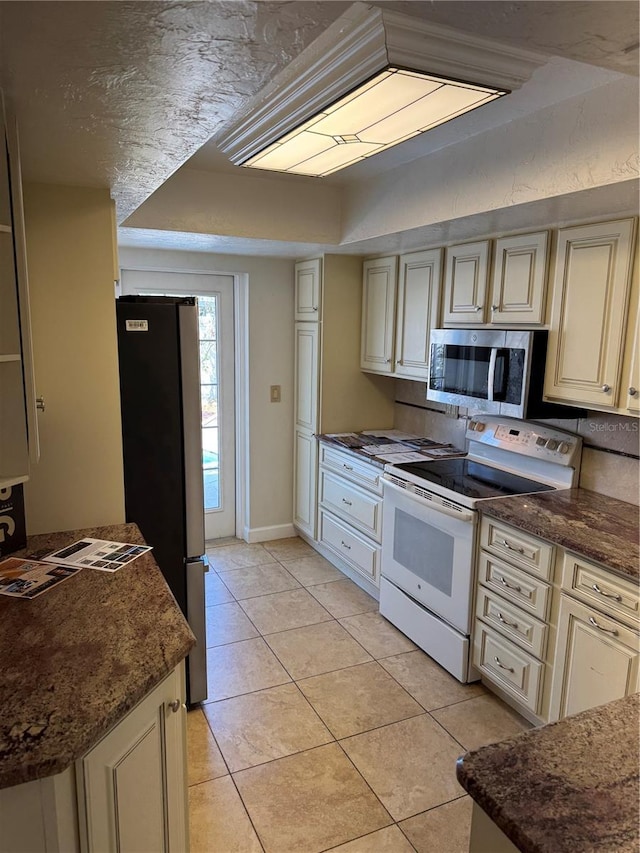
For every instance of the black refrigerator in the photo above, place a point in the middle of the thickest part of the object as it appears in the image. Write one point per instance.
(158, 353)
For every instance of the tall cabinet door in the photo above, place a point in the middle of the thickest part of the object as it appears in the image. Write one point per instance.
(308, 289)
(465, 283)
(306, 376)
(378, 311)
(417, 311)
(305, 479)
(590, 294)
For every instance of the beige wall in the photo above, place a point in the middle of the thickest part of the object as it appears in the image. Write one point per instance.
(271, 328)
(78, 481)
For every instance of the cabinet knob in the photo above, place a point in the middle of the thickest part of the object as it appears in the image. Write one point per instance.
(400, 361)
(477, 307)
(314, 308)
(633, 391)
(494, 307)
(606, 388)
(175, 705)
(387, 361)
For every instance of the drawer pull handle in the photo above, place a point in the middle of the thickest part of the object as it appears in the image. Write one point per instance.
(502, 666)
(345, 501)
(613, 595)
(508, 585)
(510, 546)
(344, 545)
(348, 467)
(611, 631)
(506, 621)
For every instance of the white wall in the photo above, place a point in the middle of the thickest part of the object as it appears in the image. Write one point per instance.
(78, 481)
(270, 363)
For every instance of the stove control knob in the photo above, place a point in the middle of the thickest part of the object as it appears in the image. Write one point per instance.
(564, 447)
(540, 441)
(480, 426)
(472, 424)
(552, 444)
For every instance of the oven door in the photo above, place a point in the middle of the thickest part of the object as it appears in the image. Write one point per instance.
(427, 551)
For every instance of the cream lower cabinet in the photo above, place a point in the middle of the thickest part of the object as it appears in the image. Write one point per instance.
(588, 332)
(598, 650)
(350, 517)
(513, 604)
(126, 795)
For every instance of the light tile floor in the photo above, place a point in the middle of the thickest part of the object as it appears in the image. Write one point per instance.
(325, 727)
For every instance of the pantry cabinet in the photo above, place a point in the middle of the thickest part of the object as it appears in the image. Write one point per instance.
(379, 284)
(18, 427)
(591, 289)
(331, 393)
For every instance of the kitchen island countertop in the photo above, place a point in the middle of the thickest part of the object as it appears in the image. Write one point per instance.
(568, 786)
(78, 657)
(592, 525)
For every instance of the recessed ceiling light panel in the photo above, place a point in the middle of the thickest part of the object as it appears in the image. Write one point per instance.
(374, 79)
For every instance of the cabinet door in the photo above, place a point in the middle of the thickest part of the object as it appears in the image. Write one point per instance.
(465, 284)
(131, 785)
(519, 279)
(379, 281)
(596, 660)
(308, 289)
(305, 477)
(590, 295)
(631, 389)
(306, 375)
(417, 312)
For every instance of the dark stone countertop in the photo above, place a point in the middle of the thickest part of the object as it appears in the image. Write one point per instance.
(594, 526)
(566, 787)
(78, 657)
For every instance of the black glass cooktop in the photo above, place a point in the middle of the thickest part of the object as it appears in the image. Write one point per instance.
(473, 478)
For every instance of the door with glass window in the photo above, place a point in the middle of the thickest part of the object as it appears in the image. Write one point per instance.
(216, 340)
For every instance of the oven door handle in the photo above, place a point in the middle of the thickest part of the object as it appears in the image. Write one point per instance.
(461, 515)
(492, 372)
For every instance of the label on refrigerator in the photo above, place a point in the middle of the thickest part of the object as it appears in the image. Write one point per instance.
(136, 325)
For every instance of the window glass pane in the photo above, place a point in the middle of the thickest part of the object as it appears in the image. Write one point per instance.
(207, 317)
(209, 397)
(208, 362)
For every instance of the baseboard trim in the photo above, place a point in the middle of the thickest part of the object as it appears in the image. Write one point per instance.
(266, 534)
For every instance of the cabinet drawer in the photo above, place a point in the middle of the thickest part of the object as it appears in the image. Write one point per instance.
(516, 672)
(359, 508)
(519, 548)
(361, 555)
(521, 628)
(509, 582)
(594, 585)
(352, 468)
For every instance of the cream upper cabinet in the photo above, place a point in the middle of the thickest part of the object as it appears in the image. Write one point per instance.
(519, 279)
(379, 282)
(630, 389)
(591, 285)
(417, 311)
(308, 289)
(465, 284)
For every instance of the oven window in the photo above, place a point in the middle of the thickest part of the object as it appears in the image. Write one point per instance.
(424, 550)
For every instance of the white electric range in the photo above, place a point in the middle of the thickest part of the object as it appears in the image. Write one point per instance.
(430, 524)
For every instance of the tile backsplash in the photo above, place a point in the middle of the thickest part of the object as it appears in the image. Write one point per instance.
(611, 455)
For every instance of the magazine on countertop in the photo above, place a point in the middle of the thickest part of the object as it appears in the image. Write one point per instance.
(20, 578)
(97, 554)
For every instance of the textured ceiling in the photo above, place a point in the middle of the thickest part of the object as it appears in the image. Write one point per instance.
(121, 94)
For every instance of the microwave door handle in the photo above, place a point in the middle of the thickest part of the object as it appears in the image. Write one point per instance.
(492, 372)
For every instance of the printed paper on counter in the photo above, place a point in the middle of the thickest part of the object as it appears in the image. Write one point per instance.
(394, 434)
(27, 578)
(97, 554)
(396, 458)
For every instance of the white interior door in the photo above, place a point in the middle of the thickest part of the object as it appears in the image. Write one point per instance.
(216, 333)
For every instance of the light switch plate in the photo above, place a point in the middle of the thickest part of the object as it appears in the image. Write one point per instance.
(275, 393)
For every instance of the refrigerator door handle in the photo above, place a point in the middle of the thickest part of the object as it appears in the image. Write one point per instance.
(192, 425)
(196, 617)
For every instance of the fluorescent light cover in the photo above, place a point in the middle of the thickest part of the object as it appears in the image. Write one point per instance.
(391, 107)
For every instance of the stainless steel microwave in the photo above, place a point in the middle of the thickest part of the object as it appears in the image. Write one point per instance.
(493, 371)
